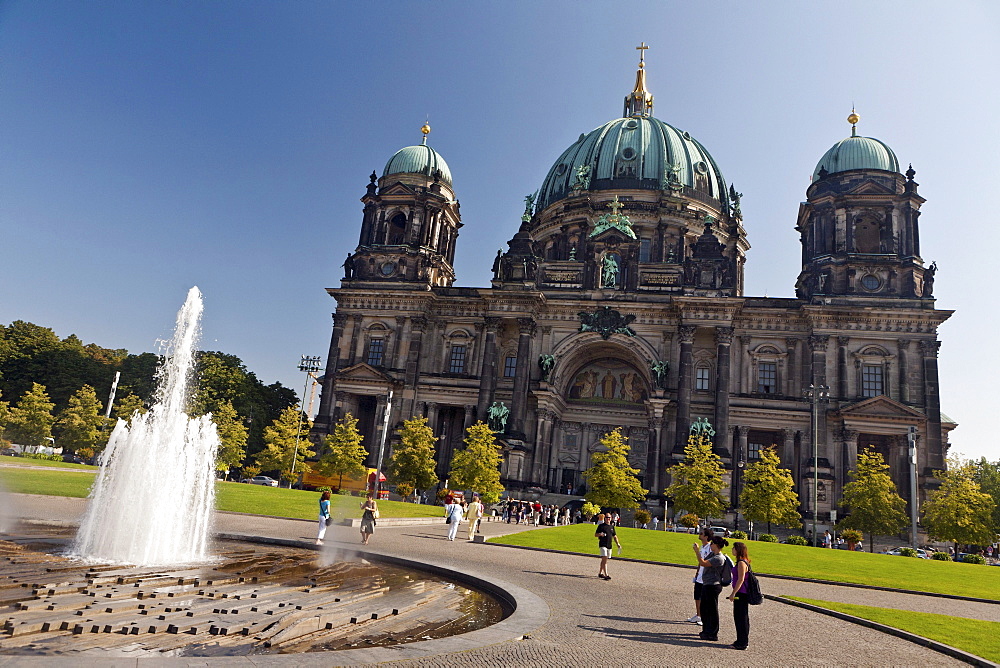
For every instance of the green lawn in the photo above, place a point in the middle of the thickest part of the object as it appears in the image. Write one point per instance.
(232, 496)
(976, 636)
(25, 461)
(944, 577)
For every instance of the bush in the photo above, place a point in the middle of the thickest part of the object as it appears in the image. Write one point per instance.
(642, 516)
(797, 540)
(907, 552)
(851, 535)
(974, 559)
(941, 556)
(404, 489)
(767, 538)
(324, 489)
(589, 509)
(690, 521)
(739, 535)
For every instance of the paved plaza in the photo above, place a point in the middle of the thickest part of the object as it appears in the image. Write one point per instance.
(635, 619)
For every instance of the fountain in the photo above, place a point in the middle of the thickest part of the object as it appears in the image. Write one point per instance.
(153, 497)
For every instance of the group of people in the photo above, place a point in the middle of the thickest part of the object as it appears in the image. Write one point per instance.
(369, 515)
(709, 583)
(455, 510)
(516, 511)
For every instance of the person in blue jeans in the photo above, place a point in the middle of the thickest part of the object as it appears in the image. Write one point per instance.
(711, 587)
(741, 606)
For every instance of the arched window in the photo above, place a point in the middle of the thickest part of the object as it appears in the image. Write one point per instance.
(397, 230)
(872, 367)
(376, 340)
(768, 363)
(867, 238)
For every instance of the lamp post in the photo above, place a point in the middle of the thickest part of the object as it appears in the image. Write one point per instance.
(309, 365)
(381, 444)
(911, 437)
(816, 394)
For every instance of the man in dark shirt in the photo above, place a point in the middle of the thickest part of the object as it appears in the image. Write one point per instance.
(604, 534)
(712, 579)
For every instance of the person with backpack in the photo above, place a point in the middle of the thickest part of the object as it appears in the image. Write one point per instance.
(740, 596)
(717, 574)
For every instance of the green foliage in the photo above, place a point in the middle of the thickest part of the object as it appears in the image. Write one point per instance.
(940, 556)
(987, 476)
(768, 494)
(280, 445)
(342, 453)
(611, 481)
(767, 538)
(797, 540)
(871, 498)
(974, 559)
(642, 516)
(697, 481)
(689, 520)
(907, 552)
(232, 437)
(412, 459)
(30, 421)
(739, 535)
(127, 405)
(79, 424)
(251, 471)
(851, 535)
(404, 490)
(959, 511)
(588, 510)
(477, 467)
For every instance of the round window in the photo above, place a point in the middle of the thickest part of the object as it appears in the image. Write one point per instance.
(701, 167)
(387, 268)
(628, 153)
(631, 124)
(870, 282)
(560, 169)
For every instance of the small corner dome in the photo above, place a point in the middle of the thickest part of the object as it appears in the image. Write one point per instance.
(420, 159)
(857, 153)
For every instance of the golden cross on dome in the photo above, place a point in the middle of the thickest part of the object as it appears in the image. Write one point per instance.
(615, 205)
(642, 53)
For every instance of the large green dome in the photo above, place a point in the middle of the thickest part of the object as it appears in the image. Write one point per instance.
(637, 152)
(857, 153)
(420, 159)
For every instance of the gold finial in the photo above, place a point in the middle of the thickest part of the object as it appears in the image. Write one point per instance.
(853, 120)
(642, 54)
(615, 205)
(426, 130)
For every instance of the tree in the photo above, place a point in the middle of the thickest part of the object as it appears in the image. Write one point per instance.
(30, 422)
(79, 425)
(412, 460)
(232, 437)
(985, 473)
(959, 511)
(4, 414)
(344, 454)
(768, 494)
(873, 504)
(696, 483)
(611, 481)
(280, 445)
(477, 467)
(128, 405)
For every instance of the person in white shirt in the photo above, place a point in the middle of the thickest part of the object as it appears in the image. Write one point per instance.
(705, 537)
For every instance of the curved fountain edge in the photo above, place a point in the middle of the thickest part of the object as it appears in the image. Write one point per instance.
(528, 612)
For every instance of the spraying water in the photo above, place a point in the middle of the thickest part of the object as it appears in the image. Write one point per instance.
(153, 497)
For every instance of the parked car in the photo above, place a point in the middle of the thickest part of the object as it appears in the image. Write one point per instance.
(920, 553)
(719, 531)
(261, 480)
(8, 452)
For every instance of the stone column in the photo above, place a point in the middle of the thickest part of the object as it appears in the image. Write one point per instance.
(522, 376)
(412, 370)
(352, 354)
(787, 453)
(818, 344)
(746, 382)
(723, 435)
(470, 415)
(793, 372)
(684, 386)
(326, 417)
(843, 392)
(903, 350)
(652, 458)
(848, 460)
(932, 403)
(397, 341)
(488, 372)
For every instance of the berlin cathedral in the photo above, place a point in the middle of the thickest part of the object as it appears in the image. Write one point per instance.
(620, 302)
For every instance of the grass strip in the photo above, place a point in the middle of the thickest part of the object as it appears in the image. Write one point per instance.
(942, 577)
(47, 463)
(975, 636)
(231, 496)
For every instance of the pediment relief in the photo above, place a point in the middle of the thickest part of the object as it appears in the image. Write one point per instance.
(870, 188)
(881, 406)
(397, 188)
(362, 371)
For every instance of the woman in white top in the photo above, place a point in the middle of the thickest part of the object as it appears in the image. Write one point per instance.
(454, 513)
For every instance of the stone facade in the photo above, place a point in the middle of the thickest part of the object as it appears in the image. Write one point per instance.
(619, 303)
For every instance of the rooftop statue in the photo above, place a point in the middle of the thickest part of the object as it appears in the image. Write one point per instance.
(613, 220)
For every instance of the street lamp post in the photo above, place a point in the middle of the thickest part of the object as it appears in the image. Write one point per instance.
(816, 394)
(309, 365)
(911, 436)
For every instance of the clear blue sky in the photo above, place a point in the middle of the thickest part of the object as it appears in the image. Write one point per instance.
(146, 147)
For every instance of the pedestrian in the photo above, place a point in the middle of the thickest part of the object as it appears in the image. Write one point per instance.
(741, 605)
(705, 536)
(453, 511)
(368, 517)
(324, 516)
(656, 522)
(827, 539)
(712, 583)
(474, 515)
(604, 534)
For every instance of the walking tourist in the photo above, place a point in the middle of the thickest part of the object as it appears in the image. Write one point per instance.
(453, 511)
(324, 516)
(741, 604)
(604, 534)
(712, 583)
(705, 536)
(474, 515)
(370, 508)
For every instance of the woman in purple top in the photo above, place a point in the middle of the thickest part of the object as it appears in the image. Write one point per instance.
(741, 607)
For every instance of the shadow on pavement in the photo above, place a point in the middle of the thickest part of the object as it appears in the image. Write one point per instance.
(565, 575)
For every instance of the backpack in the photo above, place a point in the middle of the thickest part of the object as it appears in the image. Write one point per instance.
(726, 576)
(754, 595)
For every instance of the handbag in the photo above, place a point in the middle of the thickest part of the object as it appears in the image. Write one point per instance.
(447, 520)
(329, 521)
(375, 514)
(754, 595)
